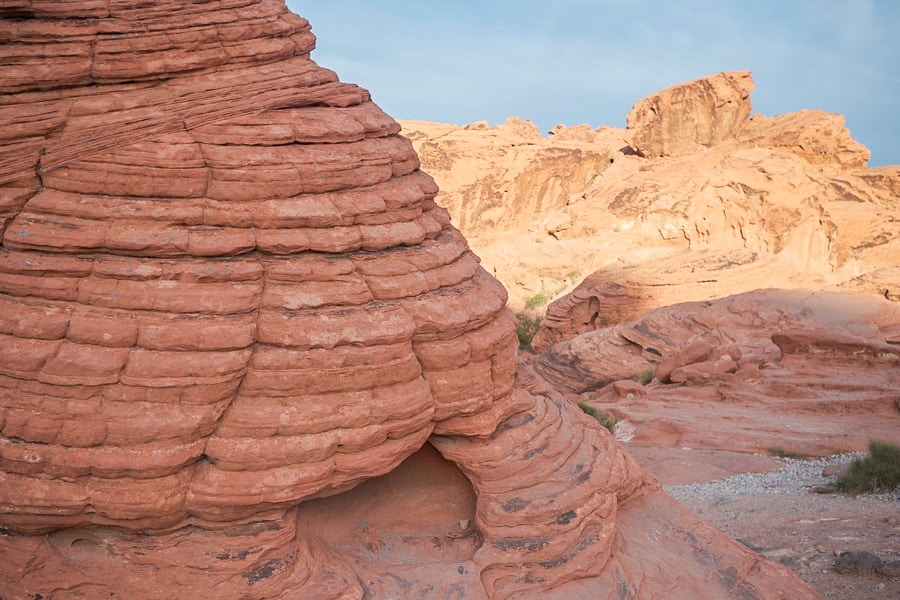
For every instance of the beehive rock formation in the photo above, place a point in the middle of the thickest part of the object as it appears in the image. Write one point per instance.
(226, 292)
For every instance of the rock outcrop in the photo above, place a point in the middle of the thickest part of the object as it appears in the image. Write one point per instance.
(227, 297)
(809, 373)
(519, 178)
(691, 117)
(720, 203)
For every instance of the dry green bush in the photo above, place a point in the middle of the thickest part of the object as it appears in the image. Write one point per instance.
(526, 327)
(877, 472)
(605, 419)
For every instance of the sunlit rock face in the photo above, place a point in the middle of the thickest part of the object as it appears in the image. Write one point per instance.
(689, 117)
(225, 285)
(225, 292)
(695, 200)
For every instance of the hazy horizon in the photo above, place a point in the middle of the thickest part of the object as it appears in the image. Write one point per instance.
(589, 61)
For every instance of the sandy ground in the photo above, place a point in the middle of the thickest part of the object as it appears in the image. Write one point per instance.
(777, 513)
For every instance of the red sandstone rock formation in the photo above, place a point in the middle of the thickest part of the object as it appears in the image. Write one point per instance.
(227, 296)
(810, 372)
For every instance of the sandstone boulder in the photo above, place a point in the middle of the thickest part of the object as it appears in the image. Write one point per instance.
(689, 117)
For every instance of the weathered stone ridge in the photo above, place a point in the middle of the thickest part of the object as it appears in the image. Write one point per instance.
(695, 200)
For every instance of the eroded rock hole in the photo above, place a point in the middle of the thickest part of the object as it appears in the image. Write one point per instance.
(421, 511)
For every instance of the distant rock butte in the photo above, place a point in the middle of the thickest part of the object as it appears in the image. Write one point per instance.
(693, 201)
(228, 299)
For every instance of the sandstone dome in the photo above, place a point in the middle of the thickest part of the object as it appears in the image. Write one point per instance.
(225, 283)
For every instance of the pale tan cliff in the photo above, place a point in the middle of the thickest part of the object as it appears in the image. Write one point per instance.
(660, 213)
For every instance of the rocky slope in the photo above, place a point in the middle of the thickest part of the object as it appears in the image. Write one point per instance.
(229, 298)
(692, 201)
(808, 373)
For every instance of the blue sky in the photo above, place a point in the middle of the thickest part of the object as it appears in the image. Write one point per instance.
(589, 61)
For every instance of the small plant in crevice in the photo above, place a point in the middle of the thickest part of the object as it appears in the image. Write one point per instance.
(645, 376)
(782, 452)
(605, 419)
(877, 472)
(539, 299)
(526, 327)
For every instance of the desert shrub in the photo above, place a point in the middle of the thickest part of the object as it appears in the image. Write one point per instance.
(538, 299)
(782, 452)
(526, 327)
(645, 376)
(607, 420)
(877, 472)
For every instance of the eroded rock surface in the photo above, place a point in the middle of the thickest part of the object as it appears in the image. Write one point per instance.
(175, 289)
(226, 293)
(808, 373)
(692, 202)
(690, 117)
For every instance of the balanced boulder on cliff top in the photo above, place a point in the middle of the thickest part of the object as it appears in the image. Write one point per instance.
(226, 290)
(690, 116)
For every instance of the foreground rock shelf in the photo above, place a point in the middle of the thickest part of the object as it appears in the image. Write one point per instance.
(808, 373)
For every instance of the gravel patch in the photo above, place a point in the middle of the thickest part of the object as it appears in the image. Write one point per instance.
(777, 515)
(797, 475)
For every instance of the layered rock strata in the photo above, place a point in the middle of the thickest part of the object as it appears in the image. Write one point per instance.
(810, 373)
(695, 200)
(176, 288)
(227, 292)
